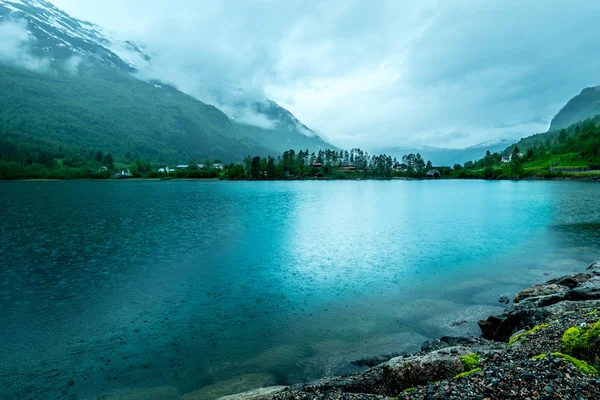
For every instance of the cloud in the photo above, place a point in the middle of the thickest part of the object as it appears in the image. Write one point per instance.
(373, 74)
(72, 64)
(15, 49)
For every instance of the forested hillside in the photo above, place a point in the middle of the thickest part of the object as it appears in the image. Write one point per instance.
(103, 109)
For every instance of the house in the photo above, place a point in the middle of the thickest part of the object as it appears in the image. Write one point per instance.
(181, 167)
(124, 174)
(166, 170)
(508, 158)
(317, 165)
(103, 169)
(218, 166)
(433, 173)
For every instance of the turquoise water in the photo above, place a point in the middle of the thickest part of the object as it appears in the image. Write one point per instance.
(155, 288)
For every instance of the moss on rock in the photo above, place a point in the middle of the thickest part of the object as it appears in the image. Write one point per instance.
(579, 364)
(471, 361)
(522, 336)
(583, 342)
(471, 372)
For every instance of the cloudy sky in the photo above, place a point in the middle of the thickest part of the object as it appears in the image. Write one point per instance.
(375, 73)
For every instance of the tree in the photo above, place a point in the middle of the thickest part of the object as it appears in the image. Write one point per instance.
(109, 161)
(516, 164)
(562, 136)
(255, 168)
(429, 165)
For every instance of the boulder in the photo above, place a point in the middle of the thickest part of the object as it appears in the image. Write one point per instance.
(504, 300)
(588, 290)
(570, 281)
(401, 373)
(266, 393)
(594, 269)
(547, 291)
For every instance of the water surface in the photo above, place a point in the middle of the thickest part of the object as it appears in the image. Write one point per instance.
(165, 288)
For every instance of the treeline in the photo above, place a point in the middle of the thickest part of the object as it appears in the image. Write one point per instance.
(331, 164)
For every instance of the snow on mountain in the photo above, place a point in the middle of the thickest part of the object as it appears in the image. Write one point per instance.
(58, 35)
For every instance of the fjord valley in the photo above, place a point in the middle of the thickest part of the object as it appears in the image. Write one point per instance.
(299, 200)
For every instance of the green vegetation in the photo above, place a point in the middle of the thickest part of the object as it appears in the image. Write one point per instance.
(471, 372)
(522, 336)
(579, 364)
(593, 312)
(471, 361)
(582, 342)
(408, 390)
(572, 152)
(330, 164)
(102, 108)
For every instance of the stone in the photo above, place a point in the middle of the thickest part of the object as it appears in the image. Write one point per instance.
(504, 300)
(571, 281)
(542, 291)
(594, 269)
(266, 393)
(402, 373)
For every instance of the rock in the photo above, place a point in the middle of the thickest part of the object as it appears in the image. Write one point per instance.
(457, 323)
(548, 292)
(594, 269)
(570, 281)
(504, 300)
(266, 393)
(449, 341)
(588, 290)
(374, 360)
(502, 327)
(402, 373)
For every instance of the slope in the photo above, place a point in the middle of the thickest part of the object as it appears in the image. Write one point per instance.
(583, 106)
(101, 108)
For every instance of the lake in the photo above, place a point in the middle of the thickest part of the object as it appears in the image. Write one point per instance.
(161, 288)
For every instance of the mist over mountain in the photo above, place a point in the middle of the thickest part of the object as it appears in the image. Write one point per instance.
(100, 99)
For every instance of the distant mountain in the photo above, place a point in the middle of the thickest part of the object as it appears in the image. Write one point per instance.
(76, 85)
(449, 157)
(583, 106)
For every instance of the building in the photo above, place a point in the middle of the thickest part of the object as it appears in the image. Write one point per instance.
(182, 166)
(218, 166)
(433, 173)
(317, 165)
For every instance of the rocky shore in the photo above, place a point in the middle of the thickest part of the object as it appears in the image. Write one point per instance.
(545, 345)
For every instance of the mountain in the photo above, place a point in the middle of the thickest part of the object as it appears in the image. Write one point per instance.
(449, 157)
(286, 131)
(67, 82)
(583, 106)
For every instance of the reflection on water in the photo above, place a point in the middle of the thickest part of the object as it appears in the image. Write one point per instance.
(164, 288)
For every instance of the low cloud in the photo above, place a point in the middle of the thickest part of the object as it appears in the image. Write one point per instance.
(71, 66)
(372, 74)
(15, 47)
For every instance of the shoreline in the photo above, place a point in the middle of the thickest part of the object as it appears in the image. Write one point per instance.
(531, 179)
(524, 352)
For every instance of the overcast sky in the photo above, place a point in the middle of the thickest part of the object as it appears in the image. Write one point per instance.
(376, 73)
